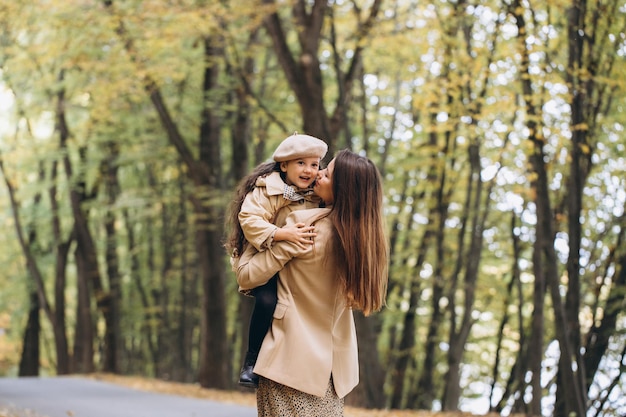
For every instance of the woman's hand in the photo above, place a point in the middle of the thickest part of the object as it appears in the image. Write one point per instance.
(256, 268)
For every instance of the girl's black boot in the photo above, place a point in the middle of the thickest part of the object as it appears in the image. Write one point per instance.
(247, 378)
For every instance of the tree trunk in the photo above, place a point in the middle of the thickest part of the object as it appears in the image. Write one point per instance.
(303, 72)
(161, 296)
(515, 385)
(536, 343)
(599, 335)
(186, 320)
(495, 373)
(369, 393)
(54, 316)
(84, 331)
(240, 164)
(29, 360)
(577, 178)
(404, 352)
(112, 337)
(60, 279)
(573, 399)
(476, 218)
(146, 334)
(424, 395)
(438, 212)
(86, 247)
(214, 364)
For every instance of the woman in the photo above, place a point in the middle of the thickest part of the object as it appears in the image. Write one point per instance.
(308, 361)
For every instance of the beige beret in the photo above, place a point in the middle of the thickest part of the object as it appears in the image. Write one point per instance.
(300, 146)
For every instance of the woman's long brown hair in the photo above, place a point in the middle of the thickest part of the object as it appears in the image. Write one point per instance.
(357, 216)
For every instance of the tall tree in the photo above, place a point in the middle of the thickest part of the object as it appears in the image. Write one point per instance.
(89, 276)
(204, 171)
(113, 336)
(29, 360)
(56, 314)
(545, 261)
(302, 66)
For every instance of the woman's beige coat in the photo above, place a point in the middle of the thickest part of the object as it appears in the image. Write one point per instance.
(313, 334)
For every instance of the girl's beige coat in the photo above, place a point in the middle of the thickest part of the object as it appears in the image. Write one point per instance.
(312, 335)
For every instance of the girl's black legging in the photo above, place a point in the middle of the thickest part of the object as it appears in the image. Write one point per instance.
(265, 299)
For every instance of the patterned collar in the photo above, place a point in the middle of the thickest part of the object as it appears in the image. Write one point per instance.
(290, 193)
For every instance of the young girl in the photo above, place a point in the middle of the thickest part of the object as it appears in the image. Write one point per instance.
(262, 202)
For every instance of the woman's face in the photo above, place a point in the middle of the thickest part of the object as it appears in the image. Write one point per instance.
(324, 183)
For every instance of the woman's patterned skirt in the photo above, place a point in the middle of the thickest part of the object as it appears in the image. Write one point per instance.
(274, 400)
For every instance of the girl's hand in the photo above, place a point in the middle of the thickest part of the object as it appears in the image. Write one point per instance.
(298, 233)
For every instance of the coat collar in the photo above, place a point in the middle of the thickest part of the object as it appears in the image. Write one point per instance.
(274, 185)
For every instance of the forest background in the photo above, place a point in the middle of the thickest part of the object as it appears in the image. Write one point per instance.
(498, 127)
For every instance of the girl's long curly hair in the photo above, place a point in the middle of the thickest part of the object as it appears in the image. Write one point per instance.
(236, 240)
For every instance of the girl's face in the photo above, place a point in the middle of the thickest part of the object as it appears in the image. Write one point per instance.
(324, 184)
(301, 172)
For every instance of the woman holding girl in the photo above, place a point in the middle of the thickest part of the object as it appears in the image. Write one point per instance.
(308, 361)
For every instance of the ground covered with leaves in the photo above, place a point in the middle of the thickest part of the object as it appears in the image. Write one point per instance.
(233, 397)
(248, 398)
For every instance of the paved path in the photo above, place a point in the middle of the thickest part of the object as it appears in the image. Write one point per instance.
(82, 397)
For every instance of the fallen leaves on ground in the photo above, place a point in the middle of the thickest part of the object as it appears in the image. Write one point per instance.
(15, 412)
(178, 388)
(248, 398)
